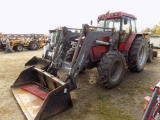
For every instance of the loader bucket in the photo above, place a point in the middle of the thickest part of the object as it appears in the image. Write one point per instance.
(38, 62)
(41, 95)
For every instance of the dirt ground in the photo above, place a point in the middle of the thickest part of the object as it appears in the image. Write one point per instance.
(90, 101)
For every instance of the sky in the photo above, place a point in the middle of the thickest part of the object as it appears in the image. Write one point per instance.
(39, 16)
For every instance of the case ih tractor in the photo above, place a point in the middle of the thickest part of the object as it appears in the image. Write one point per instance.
(42, 92)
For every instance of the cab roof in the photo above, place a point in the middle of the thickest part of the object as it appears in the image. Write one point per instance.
(116, 15)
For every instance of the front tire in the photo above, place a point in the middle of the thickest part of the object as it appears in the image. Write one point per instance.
(33, 46)
(111, 69)
(137, 55)
(19, 48)
(70, 54)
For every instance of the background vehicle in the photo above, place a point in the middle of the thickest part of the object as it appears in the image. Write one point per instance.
(35, 42)
(50, 44)
(28, 41)
(2, 45)
(155, 39)
(114, 44)
(17, 44)
(65, 44)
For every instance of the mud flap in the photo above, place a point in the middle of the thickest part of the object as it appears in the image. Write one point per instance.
(38, 62)
(41, 95)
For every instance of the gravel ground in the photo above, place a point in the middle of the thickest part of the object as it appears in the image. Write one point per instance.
(90, 101)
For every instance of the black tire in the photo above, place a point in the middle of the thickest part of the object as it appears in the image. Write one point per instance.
(33, 46)
(111, 69)
(69, 54)
(137, 55)
(150, 56)
(19, 48)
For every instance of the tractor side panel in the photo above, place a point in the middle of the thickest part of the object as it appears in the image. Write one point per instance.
(97, 51)
(105, 39)
(122, 46)
(129, 41)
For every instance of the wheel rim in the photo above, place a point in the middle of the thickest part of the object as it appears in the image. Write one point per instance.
(116, 71)
(19, 48)
(142, 56)
(34, 46)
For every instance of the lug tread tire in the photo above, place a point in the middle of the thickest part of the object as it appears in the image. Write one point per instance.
(105, 68)
(19, 50)
(133, 64)
(69, 55)
(31, 46)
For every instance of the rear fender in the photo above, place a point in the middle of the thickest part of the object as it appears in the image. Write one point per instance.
(129, 42)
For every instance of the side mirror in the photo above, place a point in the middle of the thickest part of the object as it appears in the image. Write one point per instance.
(91, 22)
(125, 21)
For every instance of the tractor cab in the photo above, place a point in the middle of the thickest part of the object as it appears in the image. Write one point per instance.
(123, 25)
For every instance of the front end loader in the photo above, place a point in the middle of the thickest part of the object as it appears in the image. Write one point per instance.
(39, 90)
(40, 94)
(43, 92)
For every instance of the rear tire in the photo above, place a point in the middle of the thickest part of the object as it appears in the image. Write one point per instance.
(69, 55)
(111, 69)
(137, 55)
(19, 48)
(33, 46)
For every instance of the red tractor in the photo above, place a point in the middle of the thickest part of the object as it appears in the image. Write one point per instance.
(113, 45)
(110, 53)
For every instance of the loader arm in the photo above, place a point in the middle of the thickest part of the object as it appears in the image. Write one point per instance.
(84, 52)
(90, 38)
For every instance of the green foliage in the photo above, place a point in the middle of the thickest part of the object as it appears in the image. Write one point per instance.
(155, 30)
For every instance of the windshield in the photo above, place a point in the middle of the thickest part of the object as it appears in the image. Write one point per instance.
(53, 38)
(110, 23)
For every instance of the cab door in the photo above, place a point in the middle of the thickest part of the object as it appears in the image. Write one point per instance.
(125, 29)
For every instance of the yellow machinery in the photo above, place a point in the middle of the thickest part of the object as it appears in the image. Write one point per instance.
(1, 42)
(16, 43)
(147, 35)
(20, 41)
(35, 42)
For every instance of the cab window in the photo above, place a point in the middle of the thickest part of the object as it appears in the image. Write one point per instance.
(133, 24)
(125, 29)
